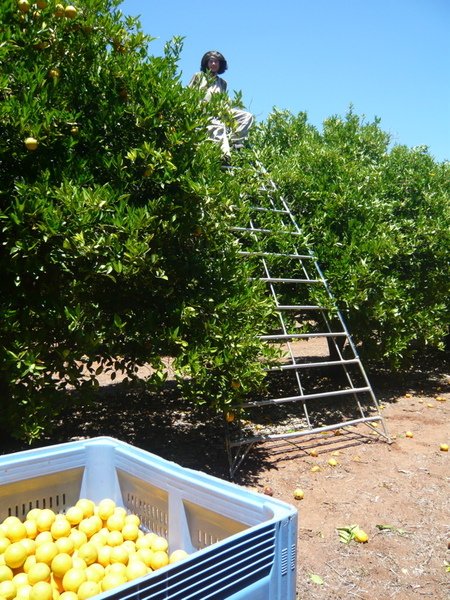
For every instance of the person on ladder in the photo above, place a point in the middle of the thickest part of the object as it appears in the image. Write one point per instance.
(212, 65)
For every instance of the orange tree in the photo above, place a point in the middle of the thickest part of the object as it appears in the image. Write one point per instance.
(115, 218)
(378, 218)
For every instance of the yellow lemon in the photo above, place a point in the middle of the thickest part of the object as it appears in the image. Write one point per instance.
(31, 528)
(43, 536)
(15, 555)
(135, 569)
(42, 590)
(146, 540)
(130, 531)
(119, 554)
(130, 547)
(95, 572)
(16, 530)
(29, 562)
(121, 511)
(99, 539)
(88, 589)
(68, 596)
(23, 592)
(61, 564)
(87, 506)
(7, 590)
(78, 538)
(20, 579)
(145, 554)
(46, 552)
(160, 543)
(65, 545)
(360, 536)
(88, 552)
(79, 563)
(299, 494)
(112, 580)
(73, 579)
(45, 519)
(159, 559)
(60, 528)
(30, 546)
(115, 522)
(118, 568)
(104, 552)
(33, 513)
(4, 543)
(6, 573)
(115, 538)
(133, 520)
(177, 555)
(105, 508)
(38, 572)
(74, 515)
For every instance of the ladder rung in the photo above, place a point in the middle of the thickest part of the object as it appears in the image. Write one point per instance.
(288, 280)
(324, 363)
(277, 254)
(281, 307)
(271, 210)
(263, 230)
(257, 403)
(305, 432)
(299, 336)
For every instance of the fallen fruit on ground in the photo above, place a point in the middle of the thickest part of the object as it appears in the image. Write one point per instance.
(444, 447)
(333, 462)
(360, 536)
(409, 434)
(299, 494)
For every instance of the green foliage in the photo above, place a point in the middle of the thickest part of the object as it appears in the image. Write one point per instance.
(379, 221)
(116, 249)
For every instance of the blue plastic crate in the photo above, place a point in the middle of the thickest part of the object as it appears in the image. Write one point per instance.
(242, 544)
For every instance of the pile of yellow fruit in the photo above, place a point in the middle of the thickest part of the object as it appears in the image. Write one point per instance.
(88, 550)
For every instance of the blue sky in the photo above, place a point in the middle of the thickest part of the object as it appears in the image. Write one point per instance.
(388, 58)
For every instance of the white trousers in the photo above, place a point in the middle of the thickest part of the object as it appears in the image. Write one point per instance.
(218, 132)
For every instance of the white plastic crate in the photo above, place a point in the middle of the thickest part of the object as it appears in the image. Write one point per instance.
(242, 545)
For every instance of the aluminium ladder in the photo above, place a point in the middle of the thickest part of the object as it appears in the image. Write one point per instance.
(321, 385)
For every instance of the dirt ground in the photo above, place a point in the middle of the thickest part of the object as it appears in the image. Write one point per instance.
(397, 492)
